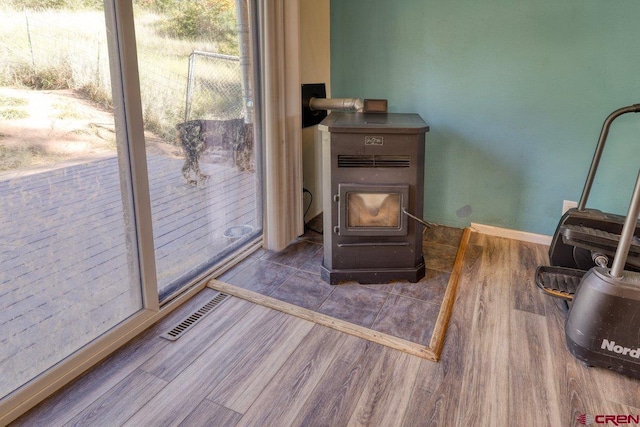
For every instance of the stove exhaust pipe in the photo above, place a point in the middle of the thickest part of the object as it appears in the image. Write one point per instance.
(315, 104)
(343, 104)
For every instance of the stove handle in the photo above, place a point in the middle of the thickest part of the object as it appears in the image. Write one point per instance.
(420, 220)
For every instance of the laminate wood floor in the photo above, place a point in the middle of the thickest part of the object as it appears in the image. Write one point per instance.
(63, 251)
(504, 363)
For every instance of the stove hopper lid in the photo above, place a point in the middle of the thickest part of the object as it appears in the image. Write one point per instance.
(396, 123)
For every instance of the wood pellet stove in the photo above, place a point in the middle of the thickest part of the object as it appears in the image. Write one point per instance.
(373, 178)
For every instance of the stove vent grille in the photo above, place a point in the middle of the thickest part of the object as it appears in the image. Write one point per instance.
(373, 161)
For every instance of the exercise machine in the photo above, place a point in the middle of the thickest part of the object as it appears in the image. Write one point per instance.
(586, 237)
(603, 323)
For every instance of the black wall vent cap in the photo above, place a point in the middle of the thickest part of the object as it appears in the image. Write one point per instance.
(312, 90)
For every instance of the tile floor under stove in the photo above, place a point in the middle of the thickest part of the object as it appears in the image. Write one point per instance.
(401, 309)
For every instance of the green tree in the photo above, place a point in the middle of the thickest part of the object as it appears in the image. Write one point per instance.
(213, 20)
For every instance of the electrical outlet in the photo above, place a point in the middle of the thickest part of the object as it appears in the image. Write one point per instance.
(568, 204)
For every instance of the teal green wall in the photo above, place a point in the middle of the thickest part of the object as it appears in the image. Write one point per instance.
(515, 93)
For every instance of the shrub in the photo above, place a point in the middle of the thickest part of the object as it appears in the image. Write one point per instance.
(204, 20)
(56, 4)
(157, 6)
(13, 114)
(12, 101)
(44, 78)
(97, 94)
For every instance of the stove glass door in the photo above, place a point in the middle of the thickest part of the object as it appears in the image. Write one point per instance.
(372, 210)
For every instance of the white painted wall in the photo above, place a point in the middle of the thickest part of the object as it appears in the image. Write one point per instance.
(315, 67)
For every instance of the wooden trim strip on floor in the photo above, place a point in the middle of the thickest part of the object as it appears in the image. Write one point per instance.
(440, 329)
(324, 320)
(432, 352)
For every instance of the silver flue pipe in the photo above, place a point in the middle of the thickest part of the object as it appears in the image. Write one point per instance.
(344, 104)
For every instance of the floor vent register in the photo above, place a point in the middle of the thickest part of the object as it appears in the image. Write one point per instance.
(190, 321)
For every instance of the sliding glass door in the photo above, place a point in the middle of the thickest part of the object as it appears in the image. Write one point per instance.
(68, 251)
(129, 164)
(197, 86)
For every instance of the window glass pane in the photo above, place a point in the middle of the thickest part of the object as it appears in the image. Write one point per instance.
(68, 264)
(196, 89)
(373, 209)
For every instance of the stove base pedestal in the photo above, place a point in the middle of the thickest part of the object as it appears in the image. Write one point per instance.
(373, 275)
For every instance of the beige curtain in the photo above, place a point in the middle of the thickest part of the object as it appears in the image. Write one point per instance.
(282, 129)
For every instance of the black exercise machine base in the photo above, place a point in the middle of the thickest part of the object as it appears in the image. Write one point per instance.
(559, 282)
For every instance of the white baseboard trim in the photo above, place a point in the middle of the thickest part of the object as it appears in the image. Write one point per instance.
(524, 236)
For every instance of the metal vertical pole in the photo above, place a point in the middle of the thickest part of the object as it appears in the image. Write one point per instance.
(190, 83)
(33, 58)
(599, 148)
(620, 258)
(242, 12)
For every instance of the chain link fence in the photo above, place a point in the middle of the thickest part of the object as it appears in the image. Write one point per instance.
(214, 88)
(44, 53)
(211, 90)
(42, 44)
